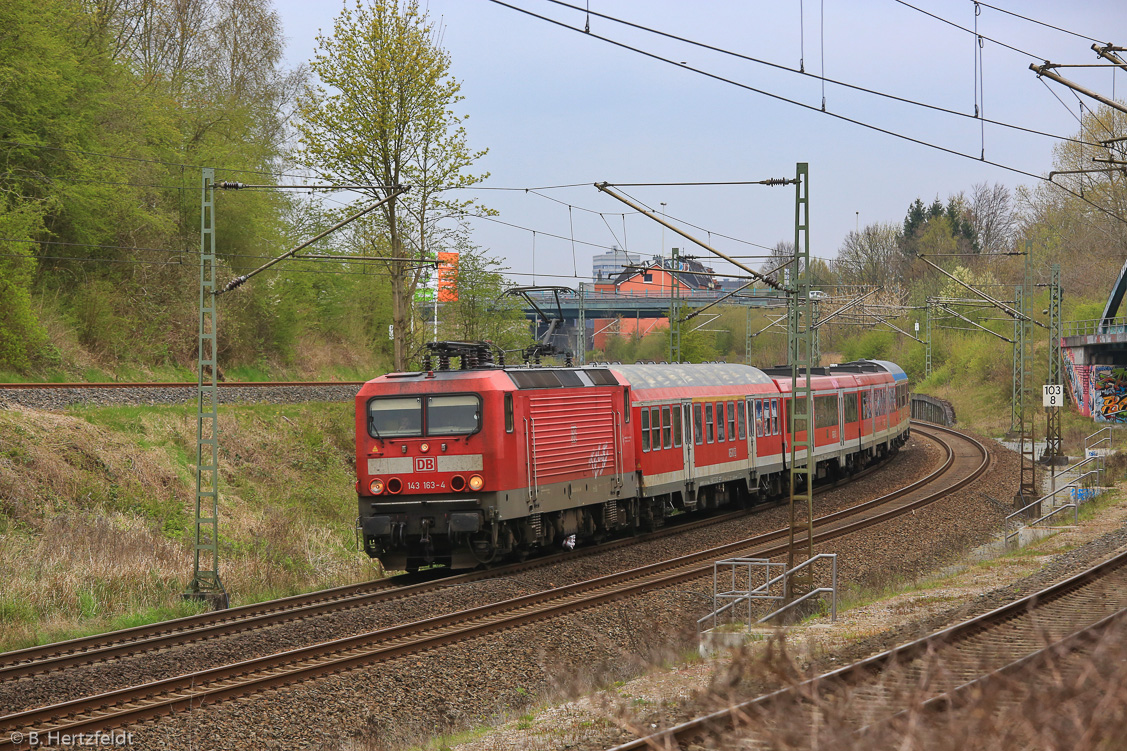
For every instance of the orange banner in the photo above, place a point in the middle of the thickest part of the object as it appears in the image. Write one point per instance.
(448, 276)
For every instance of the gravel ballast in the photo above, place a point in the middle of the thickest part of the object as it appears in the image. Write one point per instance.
(394, 703)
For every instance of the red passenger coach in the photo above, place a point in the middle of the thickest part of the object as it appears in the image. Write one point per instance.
(465, 466)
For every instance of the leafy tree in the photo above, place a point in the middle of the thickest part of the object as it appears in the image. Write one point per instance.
(20, 332)
(955, 224)
(382, 114)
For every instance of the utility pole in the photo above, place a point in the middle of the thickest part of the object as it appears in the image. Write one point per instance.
(800, 406)
(1052, 424)
(205, 583)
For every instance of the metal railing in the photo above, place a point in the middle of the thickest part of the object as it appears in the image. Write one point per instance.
(763, 591)
(1090, 445)
(1094, 326)
(1074, 504)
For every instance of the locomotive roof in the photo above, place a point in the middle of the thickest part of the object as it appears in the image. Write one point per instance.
(682, 375)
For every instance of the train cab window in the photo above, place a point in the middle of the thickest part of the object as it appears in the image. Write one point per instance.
(775, 416)
(508, 413)
(645, 429)
(655, 427)
(709, 423)
(698, 426)
(677, 426)
(720, 438)
(455, 414)
(740, 412)
(397, 417)
(666, 428)
(732, 421)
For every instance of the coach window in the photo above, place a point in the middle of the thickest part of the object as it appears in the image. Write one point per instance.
(626, 404)
(740, 415)
(508, 413)
(709, 423)
(677, 426)
(775, 416)
(666, 428)
(698, 426)
(720, 437)
(759, 418)
(655, 427)
(732, 420)
(645, 430)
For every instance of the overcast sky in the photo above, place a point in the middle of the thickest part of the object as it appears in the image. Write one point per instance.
(556, 106)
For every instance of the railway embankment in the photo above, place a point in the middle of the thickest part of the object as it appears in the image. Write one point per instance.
(96, 511)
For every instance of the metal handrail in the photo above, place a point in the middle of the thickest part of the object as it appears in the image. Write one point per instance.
(807, 596)
(1075, 513)
(762, 592)
(1072, 484)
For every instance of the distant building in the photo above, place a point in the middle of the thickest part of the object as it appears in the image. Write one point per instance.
(610, 265)
(659, 276)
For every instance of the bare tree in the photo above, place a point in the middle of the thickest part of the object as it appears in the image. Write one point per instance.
(780, 256)
(871, 256)
(993, 216)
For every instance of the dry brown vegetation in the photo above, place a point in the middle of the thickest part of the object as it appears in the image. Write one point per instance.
(95, 512)
(1071, 699)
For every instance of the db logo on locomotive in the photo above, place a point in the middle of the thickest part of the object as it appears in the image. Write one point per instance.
(426, 464)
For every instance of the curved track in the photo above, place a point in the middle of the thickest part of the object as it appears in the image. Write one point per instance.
(126, 642)
(966, 460)
(942, 671)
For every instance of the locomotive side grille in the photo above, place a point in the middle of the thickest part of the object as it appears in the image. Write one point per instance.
(573, 434)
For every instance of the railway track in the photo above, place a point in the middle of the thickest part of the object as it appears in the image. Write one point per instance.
(966, 460)
(191, 629)
(944, 671)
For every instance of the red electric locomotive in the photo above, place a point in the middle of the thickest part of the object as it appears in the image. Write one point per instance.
(466, 466)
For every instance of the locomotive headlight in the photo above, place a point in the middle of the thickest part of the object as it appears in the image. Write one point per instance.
(425, 447)
(477, 482)
(376, 486)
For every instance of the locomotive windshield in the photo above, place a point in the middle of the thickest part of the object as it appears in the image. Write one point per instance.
(396, 418)
(405, 417)
(453, 415)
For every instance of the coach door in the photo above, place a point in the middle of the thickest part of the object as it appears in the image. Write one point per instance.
(687, 441)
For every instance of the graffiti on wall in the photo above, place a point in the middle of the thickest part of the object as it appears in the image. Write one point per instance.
(1077, 382)
(1108, 394)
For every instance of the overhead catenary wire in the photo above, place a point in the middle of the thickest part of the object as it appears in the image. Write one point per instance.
(779, 66)
(1034, 20)
(803, 105)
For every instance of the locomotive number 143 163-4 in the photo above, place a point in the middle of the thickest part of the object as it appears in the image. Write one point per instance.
(426, 485)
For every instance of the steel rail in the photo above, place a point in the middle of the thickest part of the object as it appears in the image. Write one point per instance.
(138, 703)
(1029, 608)
(194, 628)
